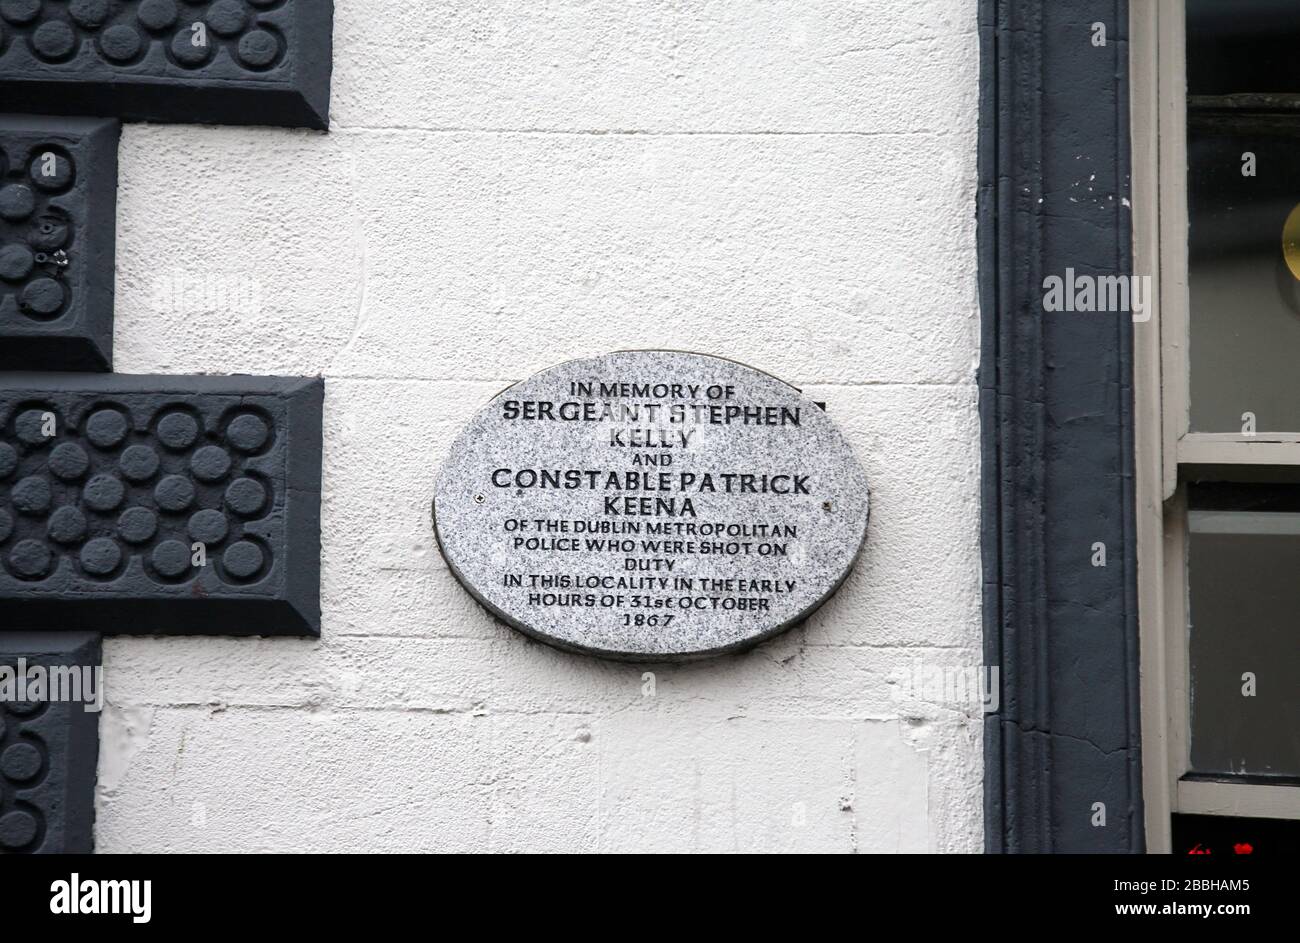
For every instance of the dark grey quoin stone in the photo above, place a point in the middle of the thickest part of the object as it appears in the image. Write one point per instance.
(48, 748)
(58, 215)
(212, 61)
(651, 505)
(102, 521)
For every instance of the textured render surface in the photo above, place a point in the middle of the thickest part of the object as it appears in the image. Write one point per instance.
(160, 505)
(217, 61)
(48, 747)
(787, 183)
(741, 513)
(58, 210)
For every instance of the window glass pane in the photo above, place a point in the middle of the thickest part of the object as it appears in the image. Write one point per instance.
(1244, 212)
(1242, 46)
(1244, 579)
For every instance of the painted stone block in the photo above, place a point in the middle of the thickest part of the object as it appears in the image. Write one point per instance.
(160, 505)
(206, 61)
(49, 741)
(58, 208)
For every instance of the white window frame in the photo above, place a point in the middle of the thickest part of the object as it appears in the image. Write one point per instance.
(1163, 440)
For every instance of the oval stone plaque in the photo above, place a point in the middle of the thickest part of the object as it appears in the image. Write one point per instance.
(651, 505)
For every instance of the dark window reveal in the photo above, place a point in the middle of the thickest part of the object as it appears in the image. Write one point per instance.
(1228, 835)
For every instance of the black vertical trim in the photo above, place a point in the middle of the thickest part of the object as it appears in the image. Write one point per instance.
(1056, 407)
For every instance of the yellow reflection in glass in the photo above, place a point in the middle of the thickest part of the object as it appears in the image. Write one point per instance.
(1291, 242)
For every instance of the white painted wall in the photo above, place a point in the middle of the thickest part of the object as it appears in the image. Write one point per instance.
(786, 182)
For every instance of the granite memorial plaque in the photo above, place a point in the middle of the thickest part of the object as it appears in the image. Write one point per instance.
(651, 505)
